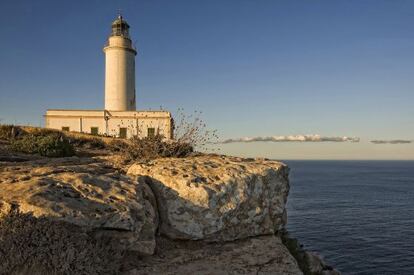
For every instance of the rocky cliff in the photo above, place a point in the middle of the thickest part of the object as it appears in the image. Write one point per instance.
(205, 214)
(216, 198)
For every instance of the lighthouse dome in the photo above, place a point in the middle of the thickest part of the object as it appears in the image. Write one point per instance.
(120, 27)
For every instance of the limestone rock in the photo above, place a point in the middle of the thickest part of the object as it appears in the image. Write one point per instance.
(317, 265)
(216, 198)
(86, 193)
(258, 255)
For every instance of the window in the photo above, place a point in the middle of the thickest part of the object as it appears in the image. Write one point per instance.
(151, 132)
(95, 131)
(122, 132)
(65, 129)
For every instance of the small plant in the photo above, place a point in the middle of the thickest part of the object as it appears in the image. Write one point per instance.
(8, 132)
(55, 146)
(86, 142)
(118, 145)
(189, 134)
(192, 130)
(148, 148)
(43, 132)
(52, 145)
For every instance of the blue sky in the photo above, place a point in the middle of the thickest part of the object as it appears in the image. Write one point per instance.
(255, 68)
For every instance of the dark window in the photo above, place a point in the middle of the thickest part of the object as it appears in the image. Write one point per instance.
(122, 132)
(65, 129)
(95, 131)
(151, 132)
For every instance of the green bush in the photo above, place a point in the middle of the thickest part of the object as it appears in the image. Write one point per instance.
(44, 132)
(5, 131)
(51, 145)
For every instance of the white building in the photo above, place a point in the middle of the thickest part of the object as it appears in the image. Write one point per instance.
(119, 118)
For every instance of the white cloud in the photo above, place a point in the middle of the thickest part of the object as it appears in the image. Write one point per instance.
(393, 141)
(294, 138)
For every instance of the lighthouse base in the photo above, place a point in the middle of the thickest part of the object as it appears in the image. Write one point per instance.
(124, 124)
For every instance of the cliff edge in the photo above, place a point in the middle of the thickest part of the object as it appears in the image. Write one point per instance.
(205, 214)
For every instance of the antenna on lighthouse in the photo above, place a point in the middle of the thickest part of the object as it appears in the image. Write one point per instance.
(119, 14)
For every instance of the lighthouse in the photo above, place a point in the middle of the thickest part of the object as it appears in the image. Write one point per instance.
(120, 68)
(119, 117)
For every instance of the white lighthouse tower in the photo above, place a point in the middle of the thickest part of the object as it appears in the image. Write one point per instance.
(119, 69)
(119, 118)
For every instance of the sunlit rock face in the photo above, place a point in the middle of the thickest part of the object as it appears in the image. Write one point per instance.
(216, 198)
(86, 193)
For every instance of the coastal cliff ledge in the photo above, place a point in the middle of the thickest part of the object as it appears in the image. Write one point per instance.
(216, 198)
(201, 214)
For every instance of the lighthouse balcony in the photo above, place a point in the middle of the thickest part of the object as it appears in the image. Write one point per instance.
(119, 41)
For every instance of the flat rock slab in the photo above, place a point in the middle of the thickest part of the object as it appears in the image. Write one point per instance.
(216, 198)
(86, 193)
(259, 255)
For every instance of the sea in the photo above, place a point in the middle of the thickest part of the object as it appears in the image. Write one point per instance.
(358, 215)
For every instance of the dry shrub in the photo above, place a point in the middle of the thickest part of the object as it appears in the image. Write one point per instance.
(43, 132)
(147, 148)
(192, 130)
(30, 245)
(8, 132)
(190, 133)
(118, 145)
(87, 142)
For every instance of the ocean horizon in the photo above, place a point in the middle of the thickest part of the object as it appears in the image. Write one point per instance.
(357, 214)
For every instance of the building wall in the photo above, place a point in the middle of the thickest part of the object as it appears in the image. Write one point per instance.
(136, 123)
(57, 123)
(87, 123)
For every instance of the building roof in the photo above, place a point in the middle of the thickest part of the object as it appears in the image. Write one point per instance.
(106, 113)
(101, 110)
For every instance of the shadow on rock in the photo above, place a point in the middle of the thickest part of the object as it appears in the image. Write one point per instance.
(31, 245)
